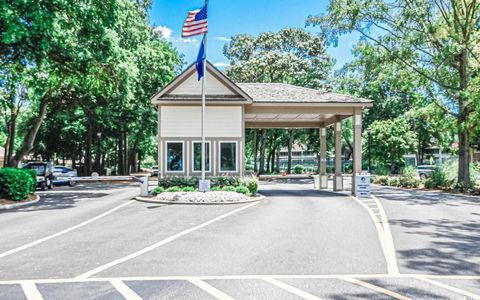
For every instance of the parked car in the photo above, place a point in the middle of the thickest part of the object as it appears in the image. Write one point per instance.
(44, 173)
(154, 171)
(425, 171)
(64, 175)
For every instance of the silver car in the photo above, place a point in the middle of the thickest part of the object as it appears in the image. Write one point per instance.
(64, 175)
(154, 171)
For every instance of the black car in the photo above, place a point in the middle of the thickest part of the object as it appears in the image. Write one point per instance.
(44, 173)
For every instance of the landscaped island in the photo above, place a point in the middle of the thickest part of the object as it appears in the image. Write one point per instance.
(223, 190)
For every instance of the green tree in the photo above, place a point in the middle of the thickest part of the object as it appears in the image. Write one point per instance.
(435, 39)
(391, 140)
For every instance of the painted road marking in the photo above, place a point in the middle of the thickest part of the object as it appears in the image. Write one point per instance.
(30, 290)
(34, 243)
(291, 289)
(161, 243)
(242, 277)
(384, 234)
(123, 289)
(210, 289)
(450, 288)
(375, 288)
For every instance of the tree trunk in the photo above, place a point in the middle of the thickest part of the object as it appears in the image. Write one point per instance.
(255, 151)
(121, 160)
(262, 151)
(290, 146)
(88, 148)
(278, 160)
(29, 139)
(10, 143)
(463, 134)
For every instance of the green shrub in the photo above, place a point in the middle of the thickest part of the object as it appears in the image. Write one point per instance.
(181, 182)
(242, 190)
(251, 183)
(17, 184)
(410, 172)
(348, 167)
(216, 189)
(438, 179)
(228, 188)
(223, 181)
(298, 169)
(174, 189)
(409, 182)
(393, 181)
(382, 180)
(158, 190)
(189, 189)
(380, 169)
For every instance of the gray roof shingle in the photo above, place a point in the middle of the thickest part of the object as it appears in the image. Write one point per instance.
(284, 93)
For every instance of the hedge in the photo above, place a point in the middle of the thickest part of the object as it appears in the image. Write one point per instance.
(17, 184)
(217, 183)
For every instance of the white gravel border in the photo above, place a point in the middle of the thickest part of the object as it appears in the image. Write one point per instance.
(152, 199)
(17, 205)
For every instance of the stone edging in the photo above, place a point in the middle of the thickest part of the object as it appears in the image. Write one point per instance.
(17, 205)
(151, 200)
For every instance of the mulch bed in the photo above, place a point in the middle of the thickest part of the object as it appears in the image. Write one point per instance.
(4, 201)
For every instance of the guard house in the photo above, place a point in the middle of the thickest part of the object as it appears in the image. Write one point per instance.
(232, 107)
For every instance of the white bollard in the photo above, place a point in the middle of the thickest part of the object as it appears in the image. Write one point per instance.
(144, 186)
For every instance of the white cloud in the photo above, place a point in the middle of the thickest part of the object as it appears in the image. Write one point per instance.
(187, 40)
(223, 38)
(164, 31)
(221, 64)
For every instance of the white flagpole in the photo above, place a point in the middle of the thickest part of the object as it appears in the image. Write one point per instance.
(203, 98)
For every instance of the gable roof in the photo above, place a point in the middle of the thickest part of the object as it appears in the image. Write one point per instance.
(287, 93)
(164, 94)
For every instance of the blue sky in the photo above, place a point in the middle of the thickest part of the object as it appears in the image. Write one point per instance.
(227, 18)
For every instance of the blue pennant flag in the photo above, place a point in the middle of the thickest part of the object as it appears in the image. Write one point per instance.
(200, 60)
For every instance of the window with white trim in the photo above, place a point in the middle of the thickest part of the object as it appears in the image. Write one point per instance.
(197, 156)
(228, 156)
(174, 159)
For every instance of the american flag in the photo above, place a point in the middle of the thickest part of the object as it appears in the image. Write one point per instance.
(196, 23)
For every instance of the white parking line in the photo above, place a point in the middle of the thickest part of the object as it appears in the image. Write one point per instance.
(161, 243)
(384, 234)
(30, 290)
(450, 288)
(123, 289)
(375, 288)
(210, 289)
(34, 243)
(291, 289)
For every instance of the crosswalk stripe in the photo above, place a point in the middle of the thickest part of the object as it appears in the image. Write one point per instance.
(450, 288)
(291, 289)
(375, 288)
(123, 289)
(210, 289)
(30, 290)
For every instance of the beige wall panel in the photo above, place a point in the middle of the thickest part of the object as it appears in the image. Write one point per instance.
(185, 121)
(191, 86)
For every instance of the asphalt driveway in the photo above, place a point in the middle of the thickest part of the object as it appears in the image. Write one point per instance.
(94, 242)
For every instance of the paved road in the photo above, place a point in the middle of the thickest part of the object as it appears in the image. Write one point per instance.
(95, 243)
(434, 233)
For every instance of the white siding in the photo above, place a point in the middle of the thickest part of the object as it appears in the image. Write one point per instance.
(185, 121)
(191, 86)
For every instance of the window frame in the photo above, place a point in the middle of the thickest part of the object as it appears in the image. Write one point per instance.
(166, 156)
(220, 156)
(209, 170)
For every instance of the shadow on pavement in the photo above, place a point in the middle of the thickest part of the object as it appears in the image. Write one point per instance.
(453, 250)
(417, 197)
(64, 197)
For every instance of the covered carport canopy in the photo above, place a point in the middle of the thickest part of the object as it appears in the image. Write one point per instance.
(278, 105)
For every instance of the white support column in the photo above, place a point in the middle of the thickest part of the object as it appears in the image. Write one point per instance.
(338, 180)
(159, 143)
(323, 158)
(357, 146)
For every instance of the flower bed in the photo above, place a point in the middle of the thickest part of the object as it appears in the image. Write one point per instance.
(200, 197)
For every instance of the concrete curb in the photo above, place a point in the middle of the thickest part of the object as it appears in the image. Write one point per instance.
(151, 200)
(17, 205)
